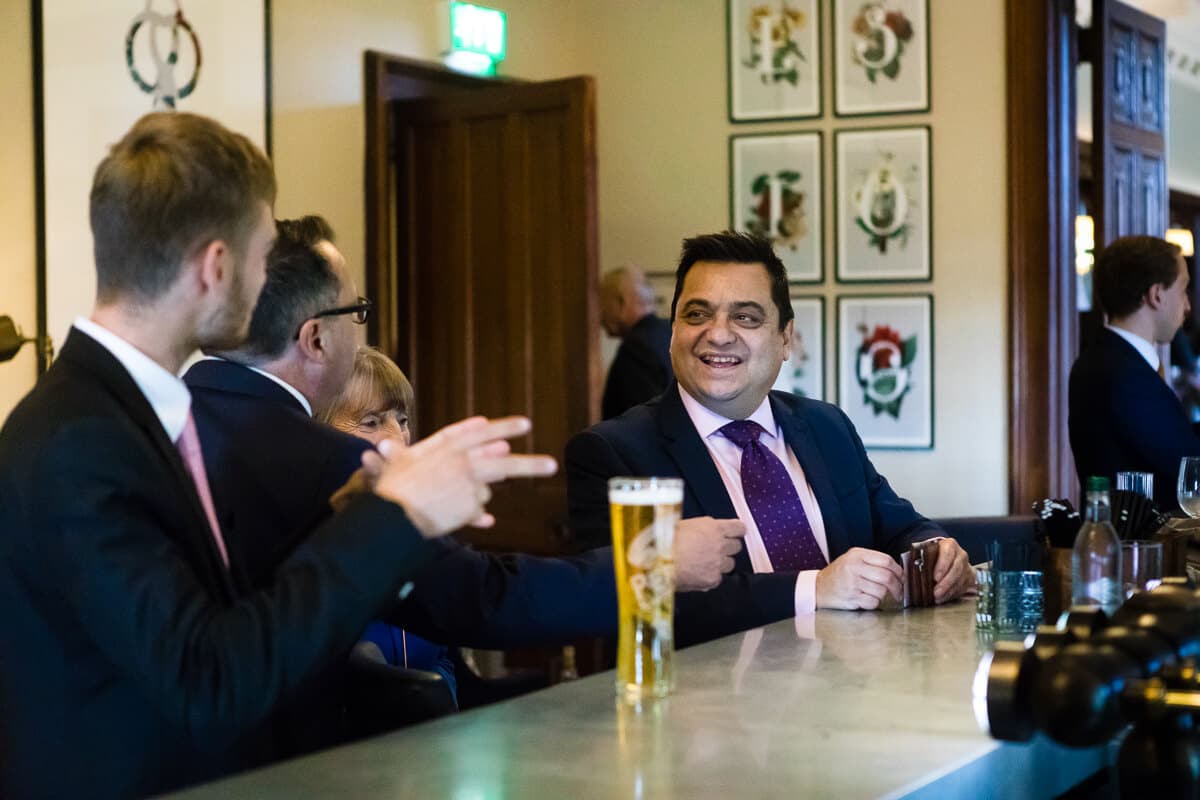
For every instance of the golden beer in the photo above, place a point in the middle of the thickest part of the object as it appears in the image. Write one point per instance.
(644, 513)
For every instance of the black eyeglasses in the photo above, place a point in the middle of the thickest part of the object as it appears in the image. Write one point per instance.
(359, 310)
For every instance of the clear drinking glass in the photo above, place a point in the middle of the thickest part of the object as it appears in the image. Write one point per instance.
(1141, 566)
(1187, 490)
(644, 514)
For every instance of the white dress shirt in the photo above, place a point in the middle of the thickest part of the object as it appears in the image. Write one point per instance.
(166, 393)
(728, 458)
(1147, 349)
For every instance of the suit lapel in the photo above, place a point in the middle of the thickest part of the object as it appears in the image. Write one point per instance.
(702, 482)
(82, 352)
(800, 439)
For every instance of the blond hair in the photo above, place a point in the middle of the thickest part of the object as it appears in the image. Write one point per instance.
(375, 384)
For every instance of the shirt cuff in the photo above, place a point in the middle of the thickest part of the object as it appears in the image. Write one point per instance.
(806, 592)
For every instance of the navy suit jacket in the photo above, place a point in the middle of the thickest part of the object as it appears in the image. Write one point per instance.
(1123, 416)
(641, 368)
(133, 662)
(272, 469)
(858, 506)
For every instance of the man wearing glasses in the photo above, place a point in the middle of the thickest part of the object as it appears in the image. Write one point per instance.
(274, 468)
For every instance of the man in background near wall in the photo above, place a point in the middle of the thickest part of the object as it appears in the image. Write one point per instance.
(641, 369)
(1123, 415)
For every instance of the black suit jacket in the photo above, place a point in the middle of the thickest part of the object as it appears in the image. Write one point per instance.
(133, 662)
(858, 506)
(1123, 416)
(272, 470)
(641, 368)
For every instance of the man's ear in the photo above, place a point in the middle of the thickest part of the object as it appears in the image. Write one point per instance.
(212, 265)
(787, 338)
(1154, 295)
(310, 342)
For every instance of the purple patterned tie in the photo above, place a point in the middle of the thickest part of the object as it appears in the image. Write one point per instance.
(773, 502)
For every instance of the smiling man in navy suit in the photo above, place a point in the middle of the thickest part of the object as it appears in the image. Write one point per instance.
(1122, 414)
(818, 516)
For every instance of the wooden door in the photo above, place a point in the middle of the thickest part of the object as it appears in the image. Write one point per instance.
(1129, 122)
(496, 260)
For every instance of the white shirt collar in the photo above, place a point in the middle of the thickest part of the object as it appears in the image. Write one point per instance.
(1147, 349)
(708, 422)
(166, 393)
(292, 390)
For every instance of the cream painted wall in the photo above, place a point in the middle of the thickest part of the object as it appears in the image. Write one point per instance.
(662, 140)
(18, 297)
(663, 174)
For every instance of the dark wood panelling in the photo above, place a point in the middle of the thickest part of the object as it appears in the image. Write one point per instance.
(1040, 121)
(497, 242)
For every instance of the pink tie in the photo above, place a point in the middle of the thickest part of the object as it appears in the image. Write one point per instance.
(189, 448)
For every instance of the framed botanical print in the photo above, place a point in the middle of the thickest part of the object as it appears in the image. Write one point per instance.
(663, 284)
(102, 65)
(884, 204)
(880, 57)
(803, 374)
(775, 192)
(774, 58)
(885, 368)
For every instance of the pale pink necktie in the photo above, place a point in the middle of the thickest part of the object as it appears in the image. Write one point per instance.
(189, 448)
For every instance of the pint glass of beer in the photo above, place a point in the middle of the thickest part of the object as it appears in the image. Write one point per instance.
(644, 513)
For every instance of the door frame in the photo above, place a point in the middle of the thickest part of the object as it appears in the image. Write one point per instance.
(1042, 190)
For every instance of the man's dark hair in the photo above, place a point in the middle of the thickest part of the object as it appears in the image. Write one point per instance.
(737, 248)
(173, 184)
(1128, 267)
(300, 283)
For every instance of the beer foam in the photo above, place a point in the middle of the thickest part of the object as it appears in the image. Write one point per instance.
(650, 496)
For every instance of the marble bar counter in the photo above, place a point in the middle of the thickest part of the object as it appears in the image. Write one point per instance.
(840, 705)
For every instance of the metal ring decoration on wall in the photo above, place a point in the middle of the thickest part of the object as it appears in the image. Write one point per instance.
(163, 89)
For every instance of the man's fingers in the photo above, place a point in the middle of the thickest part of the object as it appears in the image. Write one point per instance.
(493, 470)
(470, 433)
(732, 528)
(726, 565)
(867, 602)
(731, 547)
(484, 520)
(878, 576)
(873, 589)
(878, 559)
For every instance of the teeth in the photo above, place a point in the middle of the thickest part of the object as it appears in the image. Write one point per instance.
(721, 359)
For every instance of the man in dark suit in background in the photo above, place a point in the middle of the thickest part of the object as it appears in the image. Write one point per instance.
(820, 519)
(136, 659)
(273, 468)
(641, 368)
(1123, 415)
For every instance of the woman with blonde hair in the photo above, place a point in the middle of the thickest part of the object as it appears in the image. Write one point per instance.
(376, 404)
(377, 401)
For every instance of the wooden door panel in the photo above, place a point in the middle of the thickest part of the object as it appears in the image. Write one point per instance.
(1129, 117)
(499, 243)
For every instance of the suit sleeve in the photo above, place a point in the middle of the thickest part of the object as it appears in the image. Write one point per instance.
(473, 599)
(1150, 421)
(212, 668)
(742, 600)
(894, 522)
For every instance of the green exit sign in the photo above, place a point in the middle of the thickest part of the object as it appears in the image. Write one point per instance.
(480, 34)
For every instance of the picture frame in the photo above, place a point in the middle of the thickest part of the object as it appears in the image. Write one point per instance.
(773, 55)
(886, 368)
(884, 204)
(776, 190)
(100, 66)
(880, 57)
(803, 374)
